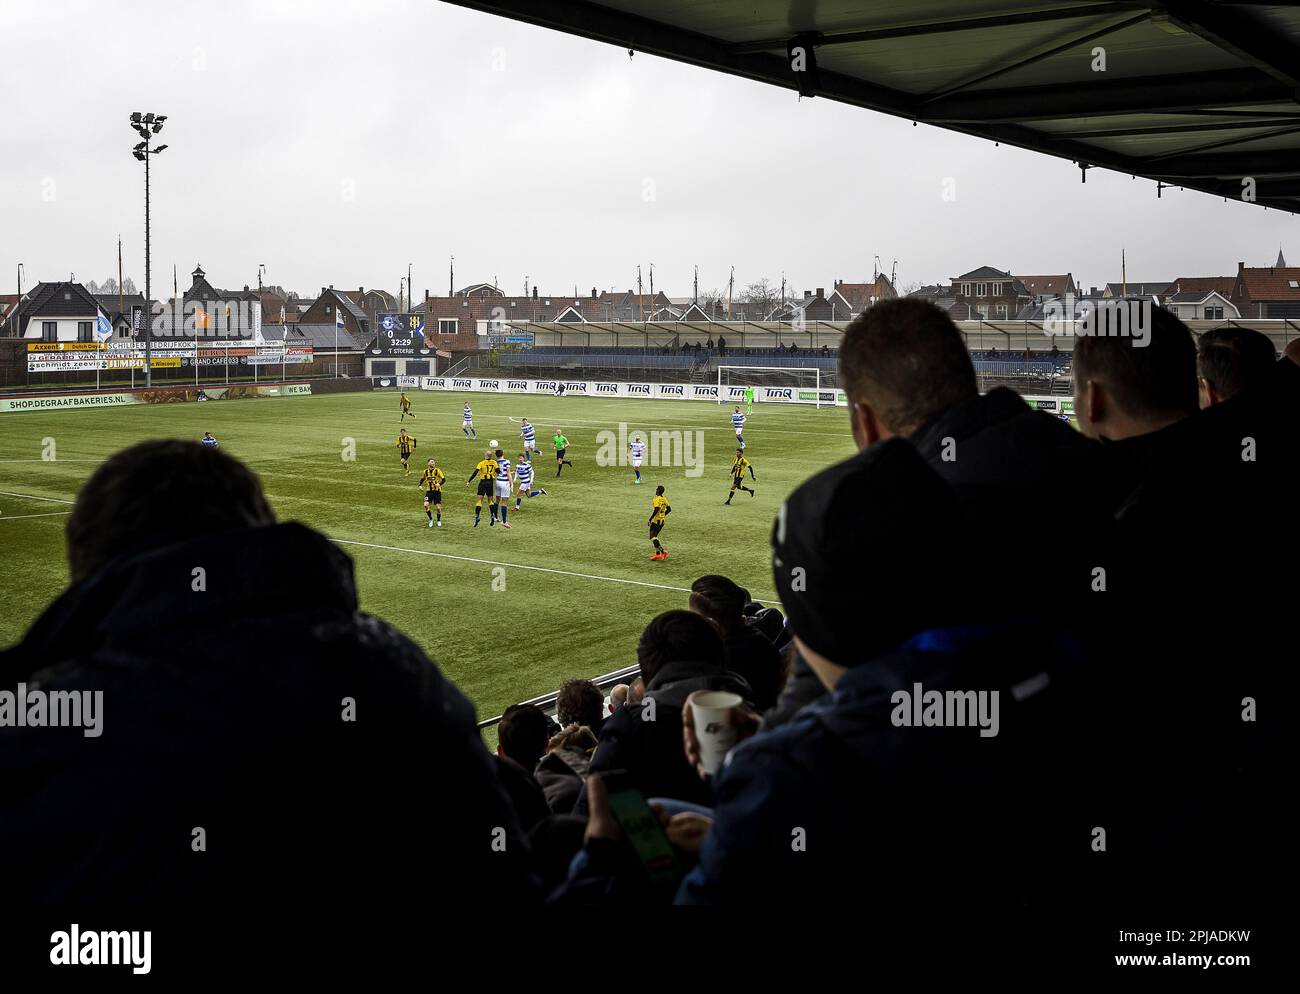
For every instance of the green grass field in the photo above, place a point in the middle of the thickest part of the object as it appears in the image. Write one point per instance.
(578, 583)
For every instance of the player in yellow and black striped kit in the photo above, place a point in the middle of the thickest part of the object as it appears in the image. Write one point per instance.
(738, 467)
(486, 471)
(431, 481)
(659, 511)
(405, 446)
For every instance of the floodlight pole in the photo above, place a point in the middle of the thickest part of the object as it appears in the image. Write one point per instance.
(148, 296)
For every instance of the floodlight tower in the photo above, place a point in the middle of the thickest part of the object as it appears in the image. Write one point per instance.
(146, 125)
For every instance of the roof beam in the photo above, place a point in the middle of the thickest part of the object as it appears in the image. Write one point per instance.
(922, 28)
(1174, 129)
(1239, 32)
(1135, 95)
(1037, 53)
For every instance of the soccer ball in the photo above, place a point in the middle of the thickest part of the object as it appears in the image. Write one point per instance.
(494, 443)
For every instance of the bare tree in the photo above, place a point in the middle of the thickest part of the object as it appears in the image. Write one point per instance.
(711, 301)
(92, 287)
(128, 285)
(763, 295)
(109, 285)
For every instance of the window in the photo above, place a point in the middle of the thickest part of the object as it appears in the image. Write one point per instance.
(49, 331)
(965, 289)
(1214, 314)
(417, 367)
(84, 330)
(448, 326)
(1002, 311)
(980, 289)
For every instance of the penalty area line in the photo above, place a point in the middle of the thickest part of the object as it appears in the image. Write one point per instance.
(52, 500)
(536, 569)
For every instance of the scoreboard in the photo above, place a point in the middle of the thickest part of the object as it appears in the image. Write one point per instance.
(400, 335)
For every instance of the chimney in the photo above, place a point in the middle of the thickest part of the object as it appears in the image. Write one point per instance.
(534, 291)
(821, 291)
(593, 293)
(807, 294)
(361, 291)
(1240, 266)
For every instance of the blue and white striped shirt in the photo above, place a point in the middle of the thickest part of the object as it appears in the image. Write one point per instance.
(210, 442)
(469, 415)
(524, 473)
(638, 450)
(503, 469)
(738, 421)
(529, 433)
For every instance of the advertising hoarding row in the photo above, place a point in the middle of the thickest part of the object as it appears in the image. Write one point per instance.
(653, 391)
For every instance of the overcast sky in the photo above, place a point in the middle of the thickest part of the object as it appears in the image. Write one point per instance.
(338, 142)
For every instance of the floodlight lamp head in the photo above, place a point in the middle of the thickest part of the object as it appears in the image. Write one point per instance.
(135, 117)
(148, 119)
(159, 149)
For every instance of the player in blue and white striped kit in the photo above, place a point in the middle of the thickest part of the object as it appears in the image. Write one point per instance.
(636, 449)
(468, 426)
(209, 440)
(738, 422)
(504, 481)
(524, 481)
(529, 434)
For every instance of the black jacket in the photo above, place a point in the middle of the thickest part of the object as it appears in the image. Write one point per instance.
(561, 774)
(750, 655)
(651, 751)
(225, 707)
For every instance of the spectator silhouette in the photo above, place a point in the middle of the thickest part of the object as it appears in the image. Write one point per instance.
(236, 719)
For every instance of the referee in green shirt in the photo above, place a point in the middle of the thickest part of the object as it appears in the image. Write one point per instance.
(749, 400)
(561, 443)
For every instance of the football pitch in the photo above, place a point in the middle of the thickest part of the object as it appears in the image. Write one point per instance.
(564, 593)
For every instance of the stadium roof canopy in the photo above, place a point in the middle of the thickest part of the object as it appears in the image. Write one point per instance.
(1193, 94)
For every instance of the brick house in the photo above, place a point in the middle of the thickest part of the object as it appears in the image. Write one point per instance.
(327, 308)
(990, 294)
(1041, 289)
(455, 323)
(859, 296)
(1272, 292)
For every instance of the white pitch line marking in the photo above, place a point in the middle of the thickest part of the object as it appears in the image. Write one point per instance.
(538, 569)
(43, 514)
(52, 500)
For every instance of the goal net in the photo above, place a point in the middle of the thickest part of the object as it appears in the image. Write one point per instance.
(732, 381)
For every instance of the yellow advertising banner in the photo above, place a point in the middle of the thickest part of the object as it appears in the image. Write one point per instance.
(65, 347)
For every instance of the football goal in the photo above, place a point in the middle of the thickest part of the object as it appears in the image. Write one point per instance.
(805, 381)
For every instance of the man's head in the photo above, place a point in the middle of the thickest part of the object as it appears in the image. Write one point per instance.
(522, 735)
(739, 453)
(720, 600)
(1123, 389)
(659, 490)
(1229, 359)
(430, 464)
(901, 363)
(618, 696)
(678, 637)
(402, 432)
(580, 702)
(500, 453)
(160, 492)
(852, 546)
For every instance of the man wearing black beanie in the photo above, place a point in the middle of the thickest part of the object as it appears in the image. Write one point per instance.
(929, 757)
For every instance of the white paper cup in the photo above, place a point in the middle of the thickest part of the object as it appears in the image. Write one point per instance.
(713, 726)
